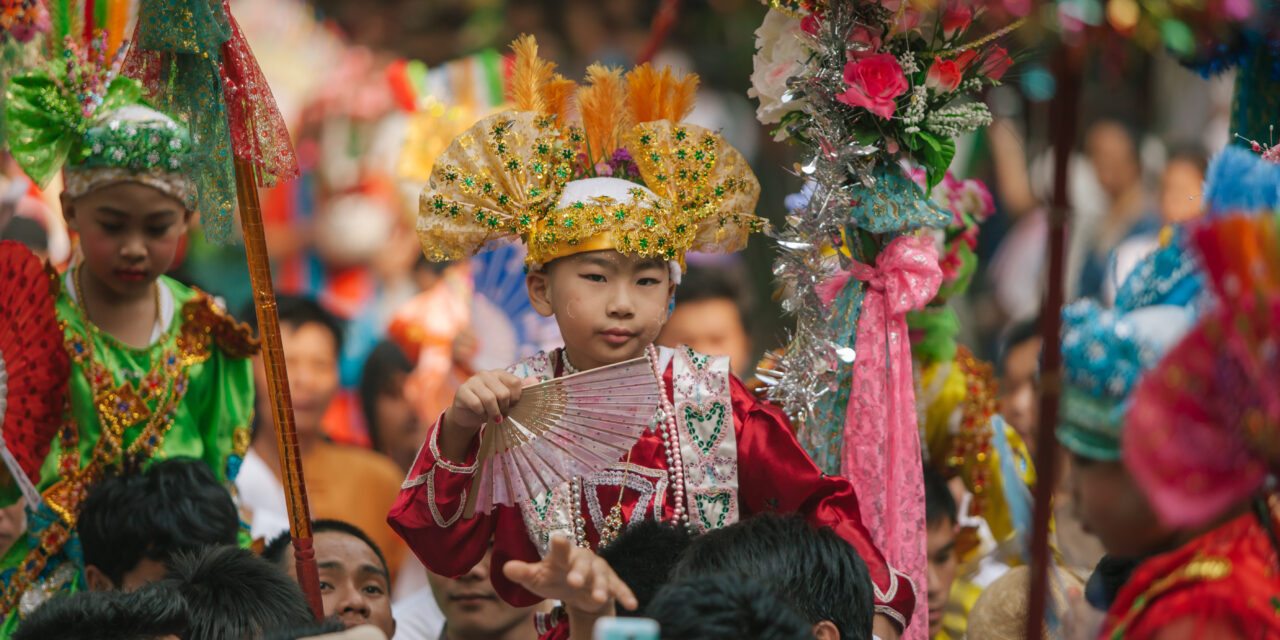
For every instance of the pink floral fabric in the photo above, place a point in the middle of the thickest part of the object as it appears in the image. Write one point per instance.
(881, 443)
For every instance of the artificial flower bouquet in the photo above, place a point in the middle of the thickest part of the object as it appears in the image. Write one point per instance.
(904, 74)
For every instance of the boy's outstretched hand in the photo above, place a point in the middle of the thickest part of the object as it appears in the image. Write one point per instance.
(484, 397)
(575, 576)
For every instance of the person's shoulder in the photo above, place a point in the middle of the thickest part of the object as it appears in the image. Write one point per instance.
(359, 461)
(201, 311)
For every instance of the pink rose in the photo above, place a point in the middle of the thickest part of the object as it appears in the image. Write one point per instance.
(996, 63)
(956, 18)
(891, 5)
(863, 42)
(811, 23)
(874, 84)
(944, 76)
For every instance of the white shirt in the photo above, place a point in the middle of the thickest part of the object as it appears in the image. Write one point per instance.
(418, 617)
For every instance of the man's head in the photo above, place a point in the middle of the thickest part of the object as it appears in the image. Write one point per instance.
(941, 518)
(1182, 185)
(1112, 506)
(132, 525)
(354, 582)
(643, 556)
(1019, 378)
(1113, 151)
(234, 594)
(312, 342)
(473, 610)
(130, 234)
(815, 570)
(609, 305)
(727, 606)
(394, 427)
(709, 318)
(150, 613)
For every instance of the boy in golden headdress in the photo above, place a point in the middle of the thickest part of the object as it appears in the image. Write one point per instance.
(608, 209)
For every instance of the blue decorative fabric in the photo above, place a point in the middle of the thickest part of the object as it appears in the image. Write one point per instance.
(1169, 275)
(1240, 181)
(895, 204)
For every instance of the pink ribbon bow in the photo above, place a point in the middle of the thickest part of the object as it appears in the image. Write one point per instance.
(881, 441)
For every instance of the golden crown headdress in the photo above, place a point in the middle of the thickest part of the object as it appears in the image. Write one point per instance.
(627, 176)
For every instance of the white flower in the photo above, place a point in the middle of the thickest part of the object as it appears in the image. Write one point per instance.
(780, 56)
(117, 154)
(153, 158)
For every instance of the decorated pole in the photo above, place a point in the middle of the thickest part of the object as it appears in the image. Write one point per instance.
(1064, 115)
(194, 62)
(264, 302)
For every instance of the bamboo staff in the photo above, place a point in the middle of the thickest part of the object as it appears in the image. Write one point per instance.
(264, 298)
(1063, 113)
(662, 24)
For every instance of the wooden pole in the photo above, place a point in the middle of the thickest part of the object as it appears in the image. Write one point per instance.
(1064, 115)
(264, 297)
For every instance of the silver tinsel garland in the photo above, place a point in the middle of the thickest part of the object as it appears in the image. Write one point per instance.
(836, 167)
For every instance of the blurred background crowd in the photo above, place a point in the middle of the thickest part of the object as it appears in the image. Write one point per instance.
(355, 80)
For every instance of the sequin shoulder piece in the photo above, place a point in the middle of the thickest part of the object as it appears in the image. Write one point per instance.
(235, 339)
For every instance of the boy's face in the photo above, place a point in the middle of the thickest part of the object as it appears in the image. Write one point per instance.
(400, 432)
(712, 326)
(1111, 506)
(311, 357)
(354, 584)
(609, 306)
(940, 542)
(471, 607)
(1018, 393)
(1180, 190)
(130, 234)
(145, 572)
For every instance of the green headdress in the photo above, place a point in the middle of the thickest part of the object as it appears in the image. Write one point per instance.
(78, 114)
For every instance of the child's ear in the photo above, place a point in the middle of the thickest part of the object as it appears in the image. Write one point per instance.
(69, 212)
(539, 287)
(96, 580)
(826, 630)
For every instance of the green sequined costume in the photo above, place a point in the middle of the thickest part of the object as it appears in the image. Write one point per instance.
(190, 393)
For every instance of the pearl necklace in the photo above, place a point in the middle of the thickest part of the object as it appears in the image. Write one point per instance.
(670, 433)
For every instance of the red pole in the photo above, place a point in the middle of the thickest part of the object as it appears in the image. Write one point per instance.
(662, 23)
(1063, 113)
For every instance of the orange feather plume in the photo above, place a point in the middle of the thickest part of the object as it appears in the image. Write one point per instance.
(602, 107)
(529, 76)
(558, 94)
(659, 95)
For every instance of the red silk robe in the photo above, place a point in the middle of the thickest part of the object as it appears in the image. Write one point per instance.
(774, 474)
(1224, 582)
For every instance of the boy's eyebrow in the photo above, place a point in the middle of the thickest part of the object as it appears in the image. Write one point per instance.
(107, 209)
(377, 571)
(599, 261)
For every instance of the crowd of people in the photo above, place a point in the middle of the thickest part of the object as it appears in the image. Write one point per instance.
(150, 499)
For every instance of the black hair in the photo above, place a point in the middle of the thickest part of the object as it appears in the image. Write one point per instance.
(1016, 334)
(235, 594)
(815, 570)
(385, 361)
(274, 551)
(726, 607)
(175, 506)
(305, 631)
(939, 504)
(296, 311)
(145, 614)
(26, 231)
(1189, 152)
(643, 556)
(705, 283)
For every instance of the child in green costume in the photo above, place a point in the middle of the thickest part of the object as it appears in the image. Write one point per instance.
(158, 370)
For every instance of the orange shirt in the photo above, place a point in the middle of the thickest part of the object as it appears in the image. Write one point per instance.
(357, 486)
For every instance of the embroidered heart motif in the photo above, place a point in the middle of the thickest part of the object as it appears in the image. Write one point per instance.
(721, 501)
(710, 422)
